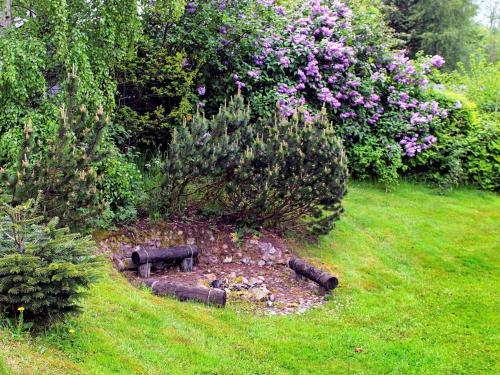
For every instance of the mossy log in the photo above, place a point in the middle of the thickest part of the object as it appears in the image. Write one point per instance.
(322, 278)
(208, 296)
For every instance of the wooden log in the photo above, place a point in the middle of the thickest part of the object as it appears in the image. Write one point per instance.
(208, 296)
(322, 278)
(152, 254)
(144, 271)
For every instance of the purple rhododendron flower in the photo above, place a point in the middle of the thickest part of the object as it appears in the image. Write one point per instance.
(201, 90)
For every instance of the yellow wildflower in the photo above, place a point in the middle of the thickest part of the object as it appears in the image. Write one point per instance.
(71, 331)
(234, 236)
(20, 309)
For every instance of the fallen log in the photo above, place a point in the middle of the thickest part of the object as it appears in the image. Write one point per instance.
(208, 296)
(304, 269)
(153, 254)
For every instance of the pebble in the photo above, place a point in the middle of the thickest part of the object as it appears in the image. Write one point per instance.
(261, 263)
(255, 281)
(211, 277)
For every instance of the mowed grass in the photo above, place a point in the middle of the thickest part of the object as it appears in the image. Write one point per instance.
(419, 294)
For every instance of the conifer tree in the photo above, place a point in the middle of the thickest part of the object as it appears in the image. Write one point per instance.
(435, 27)
(273, 173)
(44, 269)
(62, 169)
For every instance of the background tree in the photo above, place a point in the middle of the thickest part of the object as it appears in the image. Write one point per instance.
(446, 28)
(5, 13)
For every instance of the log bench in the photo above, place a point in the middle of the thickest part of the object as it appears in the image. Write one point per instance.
(304, 270)
(145, 256)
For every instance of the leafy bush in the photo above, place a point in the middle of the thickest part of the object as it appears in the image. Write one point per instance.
(443, 164)
(43, 269)
(479, 82)
(121, 187)
(482, 159)
(260, 174)
(186, 60)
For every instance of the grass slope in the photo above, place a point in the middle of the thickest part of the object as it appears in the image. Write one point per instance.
(419, 293)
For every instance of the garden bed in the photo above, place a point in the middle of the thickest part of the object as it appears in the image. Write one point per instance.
(251, 269)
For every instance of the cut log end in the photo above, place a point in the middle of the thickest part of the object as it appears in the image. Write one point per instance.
(136, 259)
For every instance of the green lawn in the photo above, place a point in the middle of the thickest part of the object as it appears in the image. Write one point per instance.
(419, 293)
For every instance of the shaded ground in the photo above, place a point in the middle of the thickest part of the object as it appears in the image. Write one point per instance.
(249, 269)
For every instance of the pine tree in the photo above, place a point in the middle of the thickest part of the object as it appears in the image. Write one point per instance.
(435, 27)
(62, 170)
(43, 268)
(270, 173)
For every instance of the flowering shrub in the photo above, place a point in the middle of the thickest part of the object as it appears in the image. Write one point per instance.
(372, 94)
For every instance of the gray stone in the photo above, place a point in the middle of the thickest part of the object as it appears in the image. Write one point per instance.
(261, 263)
(210, 277)
(259, 294)
(255, 281)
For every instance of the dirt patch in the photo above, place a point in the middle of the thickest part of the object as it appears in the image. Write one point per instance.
(251, 269)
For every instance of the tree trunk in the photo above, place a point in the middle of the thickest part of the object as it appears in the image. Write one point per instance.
(5, 13)
(324, 279)
(208, 296)
(151, 254)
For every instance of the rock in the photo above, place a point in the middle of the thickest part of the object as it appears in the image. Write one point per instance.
(190, 241)
(266, 247)
(254, 281)
(272, 298)
(227, 260)
(224, 247)
(214, 260)
(261, 263)
(232, 275)
(210, 277)
(180, 233)
(245, 261)
(269, 304)
(120, 265)
(259, 294)
(241, 280)
(217, 284)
